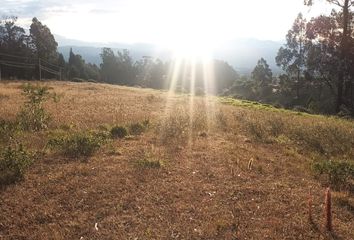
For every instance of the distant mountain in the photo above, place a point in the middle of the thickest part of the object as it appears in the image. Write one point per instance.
(242, 54)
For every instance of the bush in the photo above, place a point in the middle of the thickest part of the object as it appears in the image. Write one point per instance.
(119, 132)
(77, 144)
(33, 115)
(338, 173)
(13, 163)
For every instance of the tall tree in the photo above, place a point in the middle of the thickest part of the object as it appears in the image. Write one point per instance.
(292, 56)
(44, 42)
(108, 66)
(12, 37)
(262, 76)
(345, 25)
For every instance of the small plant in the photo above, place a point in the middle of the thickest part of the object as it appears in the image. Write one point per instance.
(77, 144)
(13, 163)
(119, 132)
(136, 128)
(33, 116)
(338, 173)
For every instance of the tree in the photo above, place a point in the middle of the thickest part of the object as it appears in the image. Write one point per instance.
(343, 85)
(118, 69)
(108, 65)
(16, 45)
(262, 76)
(43, 40)
(225, 75)
(126, 70)
(292, 56)
(77, 68)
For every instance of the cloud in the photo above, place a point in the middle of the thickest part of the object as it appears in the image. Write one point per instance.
(43, 8)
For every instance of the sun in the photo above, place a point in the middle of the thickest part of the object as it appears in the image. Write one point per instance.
(192, 29)
(191, 48)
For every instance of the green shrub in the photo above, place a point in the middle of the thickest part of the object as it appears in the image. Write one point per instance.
(77, 144)
(136, 128)
(338, 173)
(119, 132)
(13, 163)
(33, 116)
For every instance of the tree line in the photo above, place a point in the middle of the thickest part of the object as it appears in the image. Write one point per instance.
(318, 64)
(317, 61)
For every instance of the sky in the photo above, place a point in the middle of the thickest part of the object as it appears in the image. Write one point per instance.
(163, 22)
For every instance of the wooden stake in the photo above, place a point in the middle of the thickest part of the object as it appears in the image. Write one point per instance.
(328, 210)
(40, 70)
(310, 207)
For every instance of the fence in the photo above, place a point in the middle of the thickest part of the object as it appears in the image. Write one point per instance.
(16, 61)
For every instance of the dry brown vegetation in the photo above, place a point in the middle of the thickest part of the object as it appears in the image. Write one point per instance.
(216, 170)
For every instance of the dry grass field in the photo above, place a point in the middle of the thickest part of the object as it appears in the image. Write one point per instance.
(199, 168)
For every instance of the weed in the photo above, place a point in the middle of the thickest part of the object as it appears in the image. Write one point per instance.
(119, 132)
(13, 163)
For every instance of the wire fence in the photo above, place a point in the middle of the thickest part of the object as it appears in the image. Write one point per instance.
(16, 61)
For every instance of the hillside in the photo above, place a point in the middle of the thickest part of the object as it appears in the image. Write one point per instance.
(191, 168)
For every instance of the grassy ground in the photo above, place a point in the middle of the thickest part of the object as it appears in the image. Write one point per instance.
(202, 168)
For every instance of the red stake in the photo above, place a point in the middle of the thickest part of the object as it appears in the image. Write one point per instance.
(328, 210)
(310, 207)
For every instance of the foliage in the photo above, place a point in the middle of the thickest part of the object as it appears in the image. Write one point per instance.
(119, 132)
(33, 116)
(77, 144)
(13, 163)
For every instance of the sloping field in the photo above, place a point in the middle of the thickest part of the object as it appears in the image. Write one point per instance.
(201, 168)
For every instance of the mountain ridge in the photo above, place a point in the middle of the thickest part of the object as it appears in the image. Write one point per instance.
(242, 54)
